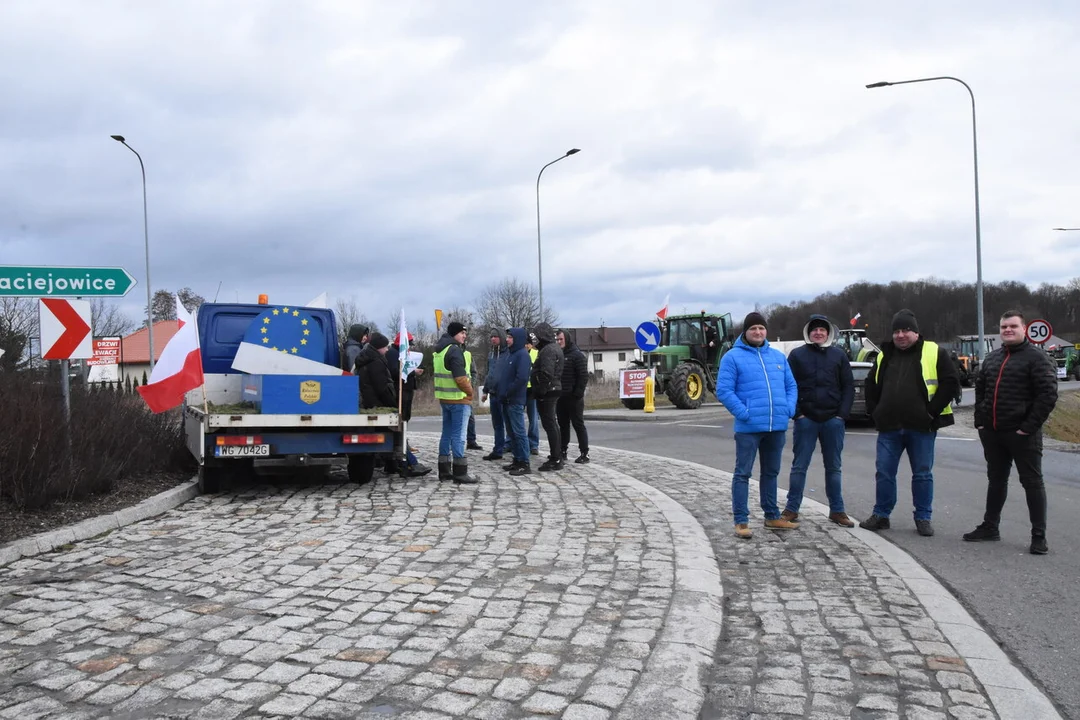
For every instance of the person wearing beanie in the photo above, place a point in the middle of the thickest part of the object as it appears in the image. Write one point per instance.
(756, 386)
(822, 371)
(909, 397)
(454, 392)
(377, 387)
(546, 379)
(411, 467)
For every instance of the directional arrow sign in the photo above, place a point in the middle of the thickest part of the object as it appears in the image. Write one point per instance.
(26, 281)
(65, 329)
(647, 336)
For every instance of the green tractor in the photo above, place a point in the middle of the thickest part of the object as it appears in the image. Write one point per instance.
(685, 364)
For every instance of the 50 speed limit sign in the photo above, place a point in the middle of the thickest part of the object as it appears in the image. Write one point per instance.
(1039, 331)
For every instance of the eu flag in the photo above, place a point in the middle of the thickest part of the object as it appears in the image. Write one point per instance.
(288, 330)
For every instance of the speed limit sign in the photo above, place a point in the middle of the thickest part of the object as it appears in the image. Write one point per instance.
(1039, 331)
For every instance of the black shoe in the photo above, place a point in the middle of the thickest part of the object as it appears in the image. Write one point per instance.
(474, 446)
(445, 470)
(985, 531)
(1038, 545)
(521, 469)
(492, 456)
(551, 465)
(924, 528)
(461, 474)
(417, 470)
(511, 466)
(534, 451)
(583, 458)
(875, 522)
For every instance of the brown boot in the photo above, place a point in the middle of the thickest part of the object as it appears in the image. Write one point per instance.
(742, 530)
(781, 524)
(841, 519)
(790, 516)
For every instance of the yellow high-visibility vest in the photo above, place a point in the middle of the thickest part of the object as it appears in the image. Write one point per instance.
(532, 358)
(929, 371)
(445, 387)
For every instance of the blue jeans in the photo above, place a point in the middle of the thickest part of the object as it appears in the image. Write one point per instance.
(534, 424)
(920, 452)
(515, 420)
(498, 424)
(807, 433)
(455, 418)
(770, 447)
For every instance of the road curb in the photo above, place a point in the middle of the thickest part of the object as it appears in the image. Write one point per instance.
(669, 415)
(91, 527)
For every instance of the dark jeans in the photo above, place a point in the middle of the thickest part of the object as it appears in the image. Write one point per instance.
(920, 451)
(551, 424)
(807, 433)
(498, 424)
(470, 431)
(515, 422)
(1002, 448)
(571, 411)
(769, 446)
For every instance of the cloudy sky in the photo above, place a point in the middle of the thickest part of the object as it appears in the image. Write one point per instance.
(387, 152)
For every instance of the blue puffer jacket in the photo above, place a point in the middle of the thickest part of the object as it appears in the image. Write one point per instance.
(757, 387)
(514, 380)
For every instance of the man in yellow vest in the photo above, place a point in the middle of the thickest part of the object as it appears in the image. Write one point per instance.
(908, 395)
(454, 392)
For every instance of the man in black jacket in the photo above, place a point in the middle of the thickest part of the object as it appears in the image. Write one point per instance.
(826, 392)
(376, 382)
(354, 343)
(1015, 392)
(571, 406)
(908, 394)
(546, 387)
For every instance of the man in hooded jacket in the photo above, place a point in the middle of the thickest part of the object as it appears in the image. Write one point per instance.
(491, 392)
(354, 343)
(571, 406)
(513, 376)
(547, 386)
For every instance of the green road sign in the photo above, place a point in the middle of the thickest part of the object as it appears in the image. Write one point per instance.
(27, 281)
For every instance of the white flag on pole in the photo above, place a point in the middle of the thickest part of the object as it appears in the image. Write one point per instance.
(407, 359)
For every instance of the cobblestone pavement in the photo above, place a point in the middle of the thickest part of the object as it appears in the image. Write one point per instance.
(579, 594)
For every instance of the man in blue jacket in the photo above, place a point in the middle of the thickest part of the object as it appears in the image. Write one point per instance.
(513, 382)
(755, 384)
(826, 391)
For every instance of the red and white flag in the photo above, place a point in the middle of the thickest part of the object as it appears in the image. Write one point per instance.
(855, 319)
(662, 312)
(179, 369)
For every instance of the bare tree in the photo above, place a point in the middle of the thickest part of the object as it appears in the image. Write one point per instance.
(348, 313)
(162, 306)
(107, 320)
(18, 325)
(511, 303)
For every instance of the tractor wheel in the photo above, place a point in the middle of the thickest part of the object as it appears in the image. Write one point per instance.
(686, 388)
(634, 403)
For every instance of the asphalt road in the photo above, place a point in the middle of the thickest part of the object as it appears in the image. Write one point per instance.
(1022, 600)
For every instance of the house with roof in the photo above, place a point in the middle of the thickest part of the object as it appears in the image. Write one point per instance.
(607, 349)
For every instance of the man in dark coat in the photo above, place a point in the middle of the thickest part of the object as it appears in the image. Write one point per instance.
(412, 467)
(1015, 392)
(826, 391)
(354, 343)
(571, 406)
(376, 383)
(546, 388)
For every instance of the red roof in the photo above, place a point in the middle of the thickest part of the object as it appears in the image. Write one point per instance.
(135, 348)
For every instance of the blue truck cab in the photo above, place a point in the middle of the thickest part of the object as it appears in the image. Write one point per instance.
(239, 424)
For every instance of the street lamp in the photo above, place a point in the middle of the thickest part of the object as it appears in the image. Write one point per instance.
(146, 239)
(539, 260)
(978, 222)
(1065, 229)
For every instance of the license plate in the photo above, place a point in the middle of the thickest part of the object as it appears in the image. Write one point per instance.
(241, 451)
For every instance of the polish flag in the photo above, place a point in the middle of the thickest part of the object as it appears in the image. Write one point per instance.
(855, 319)
(662, 312)
(178, 370)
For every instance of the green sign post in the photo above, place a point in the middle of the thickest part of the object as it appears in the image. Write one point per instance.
(29, 281)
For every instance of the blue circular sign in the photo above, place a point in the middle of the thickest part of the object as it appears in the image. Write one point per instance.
(647, 336)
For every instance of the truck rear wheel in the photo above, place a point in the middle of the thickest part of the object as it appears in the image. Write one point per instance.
(361, 468)
(213, 478)
(686, 388)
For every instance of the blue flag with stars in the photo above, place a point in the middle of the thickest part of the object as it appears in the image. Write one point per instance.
(288, 330)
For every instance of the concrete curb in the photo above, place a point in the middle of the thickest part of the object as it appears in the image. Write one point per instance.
(665, 415)
(1012, 694)
(91, 527)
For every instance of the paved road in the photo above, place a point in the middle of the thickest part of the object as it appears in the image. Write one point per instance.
(1023, 600)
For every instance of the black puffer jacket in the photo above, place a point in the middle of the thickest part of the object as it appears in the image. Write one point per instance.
(575, 370)
(1016, 389)
(900, 400)
(376, 383)
(547, 370)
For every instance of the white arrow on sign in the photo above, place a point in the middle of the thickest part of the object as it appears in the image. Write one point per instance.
(65, 329)
(648, 336)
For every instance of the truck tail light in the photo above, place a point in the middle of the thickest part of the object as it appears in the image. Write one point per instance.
(369, 439)
(239, 440)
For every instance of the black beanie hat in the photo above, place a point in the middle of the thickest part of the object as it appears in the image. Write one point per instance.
(454, 328)
(905, 320)
(378, 340)
(818, 321)
(754, 318)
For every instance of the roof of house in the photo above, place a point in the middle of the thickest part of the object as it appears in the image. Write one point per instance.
(603, 338)
(135, 348)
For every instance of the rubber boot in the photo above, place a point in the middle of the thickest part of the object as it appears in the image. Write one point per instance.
(445, 472)
(461, 472)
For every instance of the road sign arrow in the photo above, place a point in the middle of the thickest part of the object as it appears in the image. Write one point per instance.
(75, 331)
(649, 337)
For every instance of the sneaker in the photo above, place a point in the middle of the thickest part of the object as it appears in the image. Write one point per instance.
(924, 528)
(417, 470)
(780, 524)
(492, 456)
(1038, 545)
(534, 451)
(875, 522)
(582, 458)
(742, 530)
(521, 469)
(552, 465)
(841, 519)
(790, 516)
(474, 446)
(511, 466)
(985, 531)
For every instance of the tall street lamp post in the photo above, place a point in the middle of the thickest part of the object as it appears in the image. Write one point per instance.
(146, 240)
(539, 256)
(978, 222)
